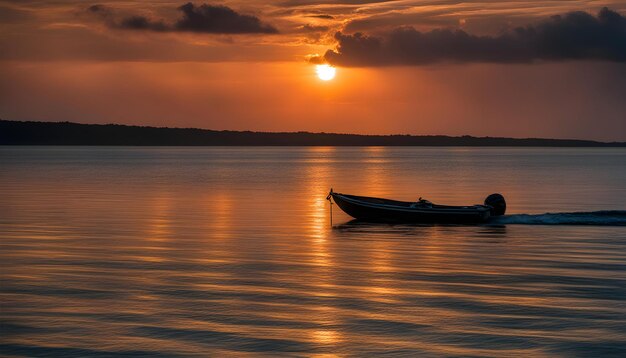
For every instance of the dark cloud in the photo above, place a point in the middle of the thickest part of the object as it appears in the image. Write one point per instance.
(312, 28)
(101, 11)
(142, 23)
(316, 59)
(97, 8)
(202, 18)
(219, 19)
(322, 16)
(573, 36)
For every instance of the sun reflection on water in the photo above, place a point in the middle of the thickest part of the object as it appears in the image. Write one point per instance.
(230, 251)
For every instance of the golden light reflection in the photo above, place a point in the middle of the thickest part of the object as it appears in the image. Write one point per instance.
(376, 177)
(322, 149)
(159, 230)
(317, 188)
(381, 257)
(326, 336)
(221, 214)
(159, 226)
(320, 245)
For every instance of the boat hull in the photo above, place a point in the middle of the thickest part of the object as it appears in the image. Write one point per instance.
(382, 210)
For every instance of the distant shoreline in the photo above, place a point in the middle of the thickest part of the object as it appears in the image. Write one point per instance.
(68, 133)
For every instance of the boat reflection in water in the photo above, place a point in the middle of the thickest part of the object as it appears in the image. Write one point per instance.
(229, 251)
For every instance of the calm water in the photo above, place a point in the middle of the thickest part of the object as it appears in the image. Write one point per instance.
(229, 251)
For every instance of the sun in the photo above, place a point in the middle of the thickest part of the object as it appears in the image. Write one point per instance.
(325, 72)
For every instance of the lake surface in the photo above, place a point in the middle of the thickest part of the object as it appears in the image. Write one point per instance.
(229, 252)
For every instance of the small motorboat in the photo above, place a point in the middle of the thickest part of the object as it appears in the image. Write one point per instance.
(420, 211)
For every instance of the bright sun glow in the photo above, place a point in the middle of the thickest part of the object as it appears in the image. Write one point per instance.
(325, 72)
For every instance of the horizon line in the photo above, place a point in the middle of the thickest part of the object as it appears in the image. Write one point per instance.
(619, 142)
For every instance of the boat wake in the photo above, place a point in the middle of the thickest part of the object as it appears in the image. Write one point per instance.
(598, 218)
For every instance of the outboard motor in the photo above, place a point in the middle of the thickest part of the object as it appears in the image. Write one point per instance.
(497, 203)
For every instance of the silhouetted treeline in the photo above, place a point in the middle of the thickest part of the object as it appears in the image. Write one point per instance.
(66, 133)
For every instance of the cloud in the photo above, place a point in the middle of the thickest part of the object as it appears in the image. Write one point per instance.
(98, 8)
(312, 28)
(322, 16)
(142, 23)
(203, 18)
(219, 19)
(432, 18)
(10, 15)
(573, 36)
(330, 2)
(101, 11)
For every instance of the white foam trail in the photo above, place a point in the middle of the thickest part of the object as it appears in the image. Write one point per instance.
(599, 218)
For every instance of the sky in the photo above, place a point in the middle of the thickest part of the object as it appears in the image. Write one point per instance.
(551, 69)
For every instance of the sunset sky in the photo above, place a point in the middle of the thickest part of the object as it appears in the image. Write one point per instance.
(491, 68)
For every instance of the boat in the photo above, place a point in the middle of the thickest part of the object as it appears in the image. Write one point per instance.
(421, 211)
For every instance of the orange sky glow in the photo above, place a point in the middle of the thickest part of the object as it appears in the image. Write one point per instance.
(251, 65)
